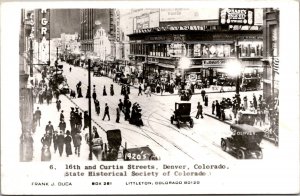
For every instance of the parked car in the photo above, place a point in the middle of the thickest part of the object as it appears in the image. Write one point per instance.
(250, 84)
(244, 141)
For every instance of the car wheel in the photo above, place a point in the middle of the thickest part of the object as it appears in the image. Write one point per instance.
(191, 123)
(223, 145)
(240, 154)
(178, 124)
(260, 155)
(172, 119)
(244, 89)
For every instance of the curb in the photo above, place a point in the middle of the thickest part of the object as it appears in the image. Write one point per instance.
(176, 94)
(228, 123)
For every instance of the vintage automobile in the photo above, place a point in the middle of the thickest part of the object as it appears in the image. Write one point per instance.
(96, 70)
(244, 142)
(250, 84)
(246, 117)
(182, 114)
(117, 152)
(64, 88)
(139, 154)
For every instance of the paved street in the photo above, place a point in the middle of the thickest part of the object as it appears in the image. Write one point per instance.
(166, 140)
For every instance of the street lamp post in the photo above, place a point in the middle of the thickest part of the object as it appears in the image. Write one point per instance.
(90, 107)
(90, 110)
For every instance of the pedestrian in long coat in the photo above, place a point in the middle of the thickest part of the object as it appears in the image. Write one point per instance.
(46, 139)
(245, 103)
(41, 100)
(58, 104)
(97, 106)
(61, 117)
(85, 120)
(118, 115)
(203, 94)
(140, 90)
(128, 89)
(218, 111)
(49, 96)
(60, 143)
(87, 92)
(206, 100)
(104, 91)
(254, 102)
(68, 141)
(112, 92)
(199, 110)
(120, 105)
(106, 112)
(49, 128)
(94, 93)
(55, 141)
(213, 106)
(38, 115)
(77, 142)
(62, 125)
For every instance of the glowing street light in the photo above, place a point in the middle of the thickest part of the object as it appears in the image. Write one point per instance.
(234, 68)
(184, 63)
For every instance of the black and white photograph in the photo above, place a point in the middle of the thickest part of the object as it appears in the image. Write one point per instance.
(151, 98)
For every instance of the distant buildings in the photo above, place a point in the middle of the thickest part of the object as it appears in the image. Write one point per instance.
(98, 32)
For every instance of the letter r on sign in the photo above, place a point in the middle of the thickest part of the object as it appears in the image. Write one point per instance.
(44, 30)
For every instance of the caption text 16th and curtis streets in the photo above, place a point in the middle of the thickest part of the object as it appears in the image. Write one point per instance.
(140, 170)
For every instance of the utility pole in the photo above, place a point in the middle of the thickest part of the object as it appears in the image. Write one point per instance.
(90, 109)
(31, 58)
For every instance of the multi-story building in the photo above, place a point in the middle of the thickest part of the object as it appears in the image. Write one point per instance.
(131, 20)
(206, 36)
(271, 53)
(94, 24)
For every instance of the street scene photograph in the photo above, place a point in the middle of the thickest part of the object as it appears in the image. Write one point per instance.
(149, 84)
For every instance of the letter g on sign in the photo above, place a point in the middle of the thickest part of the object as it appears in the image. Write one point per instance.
(44, 21)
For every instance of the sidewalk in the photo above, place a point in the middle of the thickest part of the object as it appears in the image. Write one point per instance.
(211, 89)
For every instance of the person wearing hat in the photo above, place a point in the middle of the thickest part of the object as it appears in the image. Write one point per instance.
(94, 92)
(118, 115)
(55, 140)
(112, 92)
(106, 112)
(77, 142)
(62, 125)
(60, 143)
(61, 117)
(46, 139)
(49, 128)
(58, 104)
(38, 115)
(104, 91)
(68, 141)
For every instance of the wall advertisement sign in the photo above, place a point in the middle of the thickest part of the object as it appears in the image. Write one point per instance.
(187, 14)
(239, 16)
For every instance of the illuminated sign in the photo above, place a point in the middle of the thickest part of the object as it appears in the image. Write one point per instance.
(239, 16)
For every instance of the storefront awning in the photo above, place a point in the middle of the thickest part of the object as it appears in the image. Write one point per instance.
(166, 65)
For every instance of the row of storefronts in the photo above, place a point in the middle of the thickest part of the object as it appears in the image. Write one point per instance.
(209, 52)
